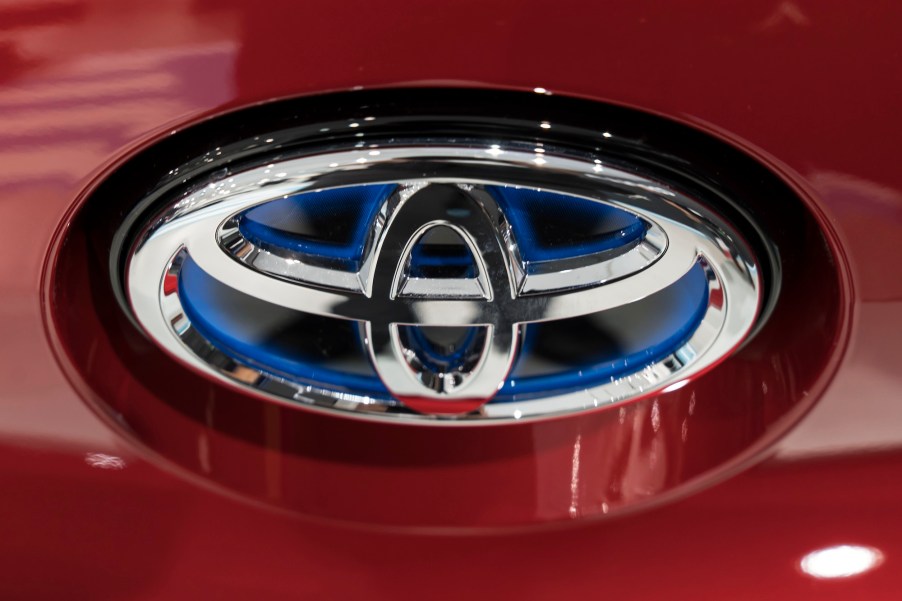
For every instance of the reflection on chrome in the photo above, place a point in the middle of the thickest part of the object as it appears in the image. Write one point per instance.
(841, 561)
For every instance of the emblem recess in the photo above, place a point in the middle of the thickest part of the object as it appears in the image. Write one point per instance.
(671, 306)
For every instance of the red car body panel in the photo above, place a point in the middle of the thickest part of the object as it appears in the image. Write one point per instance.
(809, 89)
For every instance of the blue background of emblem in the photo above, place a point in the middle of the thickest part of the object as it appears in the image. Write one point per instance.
(332, 226)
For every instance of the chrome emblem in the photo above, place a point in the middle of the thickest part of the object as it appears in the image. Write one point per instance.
(445, 282)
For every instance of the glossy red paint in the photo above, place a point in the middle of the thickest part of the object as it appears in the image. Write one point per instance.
(809, 89)
(577, 466)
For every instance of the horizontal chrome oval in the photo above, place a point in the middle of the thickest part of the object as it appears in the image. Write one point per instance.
(583, 271)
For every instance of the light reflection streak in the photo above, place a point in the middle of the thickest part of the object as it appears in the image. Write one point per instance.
(574, 477)
(841, 561)
(105, 462)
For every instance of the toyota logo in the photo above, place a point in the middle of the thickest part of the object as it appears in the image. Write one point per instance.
(442, 282)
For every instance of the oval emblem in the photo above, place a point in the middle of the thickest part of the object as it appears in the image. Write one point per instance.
(443, 281)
